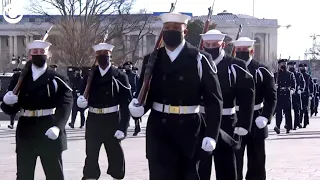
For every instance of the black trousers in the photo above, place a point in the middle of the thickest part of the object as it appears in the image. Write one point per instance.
(51, 163)
(284, 107)
(75, 110)
(223, 155)
(304, 118)
(12, 117)
(256, 158)
(297, 117)
(115, 156)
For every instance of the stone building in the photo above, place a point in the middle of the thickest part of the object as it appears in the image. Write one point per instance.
(14, 37)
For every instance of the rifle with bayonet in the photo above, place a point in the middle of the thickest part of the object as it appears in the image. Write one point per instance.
(91, 72)
(142, 97)
(26, 68)
(206, 25)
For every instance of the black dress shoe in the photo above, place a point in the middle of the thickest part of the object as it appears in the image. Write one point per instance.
(10, 126)
(277, 130)
(137, 129)
(71, 125)
(288, 131)
(300, 126)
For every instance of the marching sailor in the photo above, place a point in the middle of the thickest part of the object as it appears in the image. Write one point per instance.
(181, 76)
(236, 84)
(265, 104)
(40, 129)
(108, 117)
(286, 86)
(315, 99)
(307, 95)
(296, 97)
(134, 83)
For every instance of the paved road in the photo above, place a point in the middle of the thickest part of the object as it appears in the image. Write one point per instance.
(289, 157)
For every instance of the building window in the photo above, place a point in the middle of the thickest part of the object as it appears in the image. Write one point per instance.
(32, 20)
(133, 43)
(257, 49)
(151, 41)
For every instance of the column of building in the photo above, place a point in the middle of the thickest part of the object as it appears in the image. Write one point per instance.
(15, 46)
(266, 46)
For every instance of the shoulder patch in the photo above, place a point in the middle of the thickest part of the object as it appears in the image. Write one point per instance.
(64, 83)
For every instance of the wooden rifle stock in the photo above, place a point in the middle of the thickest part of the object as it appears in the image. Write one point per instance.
(142, 97)
(26, 68)
(206, 27)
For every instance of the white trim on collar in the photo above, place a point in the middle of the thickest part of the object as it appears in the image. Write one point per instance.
(220, 57)
(104, 71)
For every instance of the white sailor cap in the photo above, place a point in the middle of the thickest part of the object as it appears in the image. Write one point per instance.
(174, 17)
(103, 46)
(39, 44)
(213, 35)
(243, 41)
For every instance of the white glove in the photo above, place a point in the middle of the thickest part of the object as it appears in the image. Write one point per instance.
(78, 94)
(82, 102)
(291, 92)
(276, 85)
(136, 111)
(9, 98)
(208, 144)
(240, 131)
(119, 134)
(261, 122)
(53, 133)
(310, 98)
(299, 91)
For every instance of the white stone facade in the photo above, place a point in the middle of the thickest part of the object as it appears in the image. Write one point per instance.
(13, 38)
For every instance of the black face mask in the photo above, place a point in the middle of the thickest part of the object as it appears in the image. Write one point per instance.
(292, 69)
(172, 38)
(244, 55)
(303, 70)
(103, 60)
(283, 67)
(214, 52)
(39, 60)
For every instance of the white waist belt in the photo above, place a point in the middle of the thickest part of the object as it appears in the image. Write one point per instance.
(36, 113)
(111, 109)
(225, 111)
(256, 107)
(175, 109)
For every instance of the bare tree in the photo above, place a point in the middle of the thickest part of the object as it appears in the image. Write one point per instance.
(83, 23)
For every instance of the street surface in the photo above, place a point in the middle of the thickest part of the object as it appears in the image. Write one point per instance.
(294, 156)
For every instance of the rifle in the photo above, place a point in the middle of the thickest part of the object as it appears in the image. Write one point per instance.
(142, 97)
(26, 68)
(90, 77)
(206, 25)
(237, 37)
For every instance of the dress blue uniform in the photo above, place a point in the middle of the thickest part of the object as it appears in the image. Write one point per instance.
(307, 95)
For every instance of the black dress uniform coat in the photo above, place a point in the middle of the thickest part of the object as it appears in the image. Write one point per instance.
(77, 85)
(109, 90)
(49, 91)
(265, 104)
(315, 99)
(306, 103)
(296, 98)
(236, 84)
(133, 80)
(173, 141)
(286, 82)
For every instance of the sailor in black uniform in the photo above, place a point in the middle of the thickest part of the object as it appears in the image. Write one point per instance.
(181, 76)
(236, 84)
(134, 82)
(108, 117)
(296, 97)
(315, 99)
(265, 104)
(307, 95)
(45, 102)
(286, 86)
